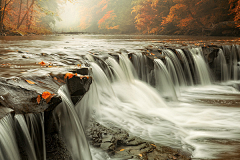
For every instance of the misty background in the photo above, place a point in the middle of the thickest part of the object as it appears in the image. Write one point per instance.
(166, 17)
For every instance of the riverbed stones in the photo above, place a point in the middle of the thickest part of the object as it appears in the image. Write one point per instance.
(120, 145)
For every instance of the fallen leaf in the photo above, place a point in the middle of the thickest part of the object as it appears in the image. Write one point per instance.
(46, 94)
(122, 150)
(38, 99)
(49, 98)
(153, 145)
(55, 78)
(30, 82)
(68, 75)
(140, 155)
(42, 63)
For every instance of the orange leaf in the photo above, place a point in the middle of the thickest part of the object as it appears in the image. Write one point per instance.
(68, 75)
(30, 82)
(49, 98)
(55, 78)
(38, 99)
(46, 94)
(154, 145)
(122, 150)
(42, 63)
(140, 155)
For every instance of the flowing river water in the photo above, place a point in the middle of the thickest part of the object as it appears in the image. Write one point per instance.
(198, 115)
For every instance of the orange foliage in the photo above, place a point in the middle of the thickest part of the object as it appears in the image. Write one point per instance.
(235, 10)
(104, 7)
(108, 15)
(38, 99)
(30, 82)
(42, 63)
(186, 21)
(69, 75)
(46, 94)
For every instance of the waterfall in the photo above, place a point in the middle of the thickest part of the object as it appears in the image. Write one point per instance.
(231, 58)
(140, 64)
(234, 63)
(220, 63)
(127, 67)
(172, 72)
(35, 123)
(177, 65)
(167, 97)
(24, 137)
(8, 143)
(186, 67)
(164, 82)
(125, 105)
(201, 68)
(183, 122)
(71, 127)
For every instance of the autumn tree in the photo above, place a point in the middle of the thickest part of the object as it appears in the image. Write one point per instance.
(235, 10)
(3, 6)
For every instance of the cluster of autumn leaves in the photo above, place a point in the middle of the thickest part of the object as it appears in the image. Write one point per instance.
(121, 16)
(47, 96)
(28, 16)
(158, 16)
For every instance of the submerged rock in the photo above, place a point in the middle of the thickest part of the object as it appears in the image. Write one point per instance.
(120, 145)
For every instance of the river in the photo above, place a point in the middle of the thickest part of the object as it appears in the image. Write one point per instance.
(202, 119)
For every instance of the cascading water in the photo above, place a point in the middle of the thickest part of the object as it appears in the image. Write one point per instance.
(139, 62)
(178, 68)
(231, 58)
(221, 64)
(186, 67)
(71, 127)
(201, 68)
(8, 143)
(172, 72)
(202, 119)
(188, 123)
(24, 137)
(163, 80)
(35, 123)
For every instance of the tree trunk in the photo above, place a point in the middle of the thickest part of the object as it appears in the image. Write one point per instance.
(1, 14)
(19, 14)
(27, 20)
(30, 19)
(25, 14)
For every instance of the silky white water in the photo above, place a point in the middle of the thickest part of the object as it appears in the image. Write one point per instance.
(193, 122)
(202, 116)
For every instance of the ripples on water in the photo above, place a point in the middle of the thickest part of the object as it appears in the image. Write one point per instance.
(204, 120)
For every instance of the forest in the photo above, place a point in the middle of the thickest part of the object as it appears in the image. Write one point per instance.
(161, 17)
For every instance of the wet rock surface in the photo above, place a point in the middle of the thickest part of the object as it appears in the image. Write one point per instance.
(120, 145)
(20, 96)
